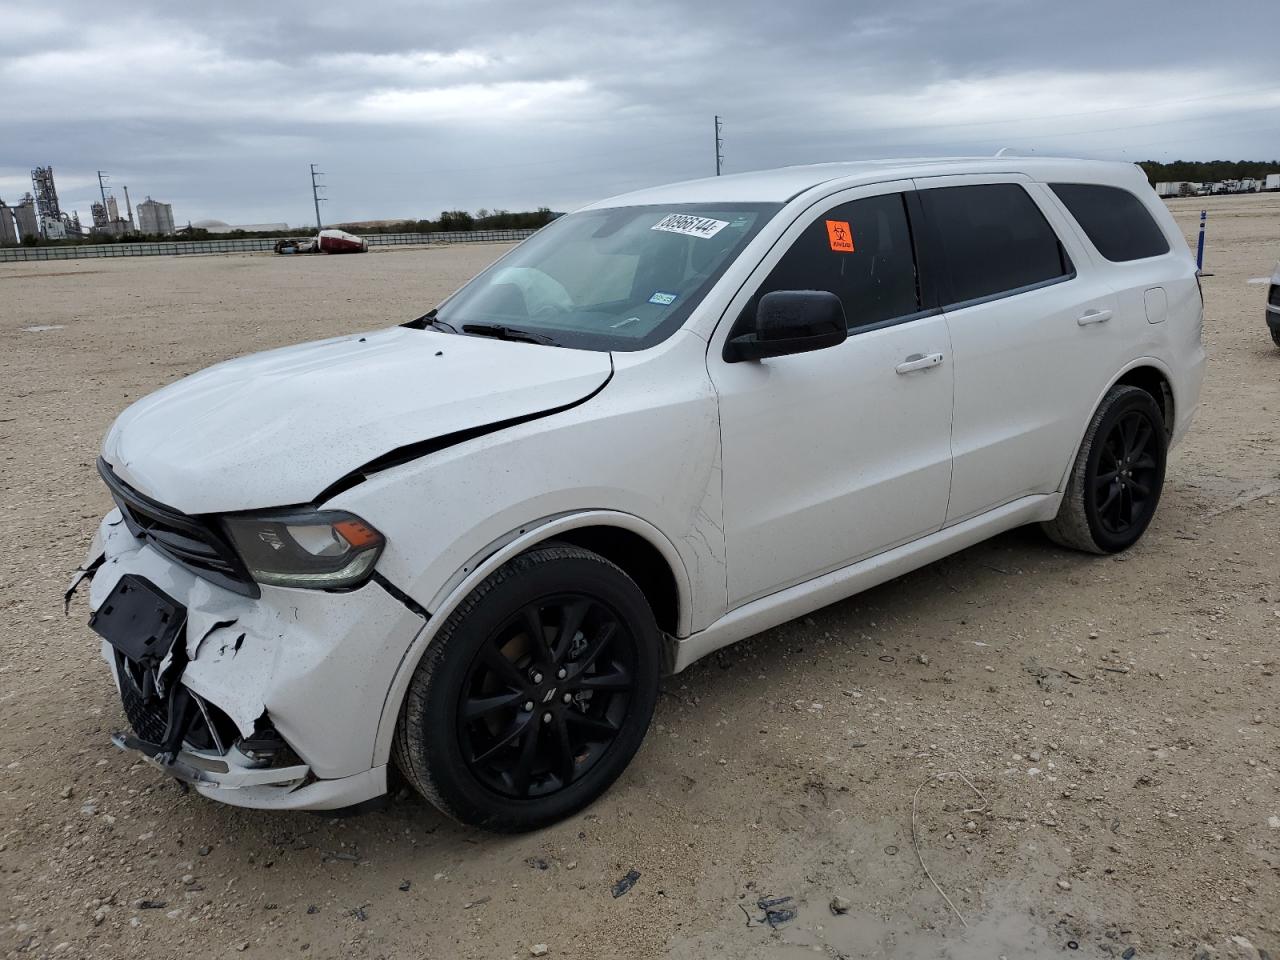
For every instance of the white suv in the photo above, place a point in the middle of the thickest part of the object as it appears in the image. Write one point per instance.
(471, 545)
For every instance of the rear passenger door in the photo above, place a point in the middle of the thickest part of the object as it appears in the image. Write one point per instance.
(1151, 281)
(1029, 320)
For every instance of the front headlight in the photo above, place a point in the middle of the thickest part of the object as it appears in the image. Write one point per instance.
(321, 549)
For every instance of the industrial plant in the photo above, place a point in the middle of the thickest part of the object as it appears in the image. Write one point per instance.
(39, 214)
(155, 217)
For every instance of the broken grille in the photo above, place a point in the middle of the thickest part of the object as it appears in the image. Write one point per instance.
(190, 541)
(149, 716)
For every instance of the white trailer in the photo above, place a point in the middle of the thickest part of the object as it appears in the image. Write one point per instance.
(1273, 182)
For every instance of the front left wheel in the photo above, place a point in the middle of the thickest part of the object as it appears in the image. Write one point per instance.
(535, 694)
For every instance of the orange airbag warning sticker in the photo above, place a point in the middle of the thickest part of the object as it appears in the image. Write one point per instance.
(841, 237)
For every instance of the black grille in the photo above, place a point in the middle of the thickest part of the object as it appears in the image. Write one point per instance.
(149, 717)
(191, 541)
(1274, 297)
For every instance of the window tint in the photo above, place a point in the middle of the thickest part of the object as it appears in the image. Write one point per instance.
(1117, 222)
(861, 252)
(994, 239)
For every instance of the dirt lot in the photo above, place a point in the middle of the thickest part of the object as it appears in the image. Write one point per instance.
(1119, 716)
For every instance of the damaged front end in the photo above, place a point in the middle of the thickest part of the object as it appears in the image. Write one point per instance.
(256, 695)
(173, 726)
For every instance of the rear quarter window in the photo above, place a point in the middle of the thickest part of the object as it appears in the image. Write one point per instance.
(1115, 221)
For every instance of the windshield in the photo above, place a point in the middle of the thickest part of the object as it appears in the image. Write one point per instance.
(622, 278)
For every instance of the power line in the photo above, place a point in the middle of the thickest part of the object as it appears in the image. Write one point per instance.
(558, 162)
(1136, 126)
(1087, 113)
(1270, 131)
(1034, 137)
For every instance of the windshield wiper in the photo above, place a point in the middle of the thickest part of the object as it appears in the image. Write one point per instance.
(500, 332)
(430, 319)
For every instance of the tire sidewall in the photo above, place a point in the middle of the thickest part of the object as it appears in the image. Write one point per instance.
(1125, 402)
(538, 576)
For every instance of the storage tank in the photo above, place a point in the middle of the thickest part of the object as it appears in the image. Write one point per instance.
(8, 232)
(155, 217)
(25, 214)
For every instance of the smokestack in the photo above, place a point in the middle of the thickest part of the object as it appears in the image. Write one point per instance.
(128, 206)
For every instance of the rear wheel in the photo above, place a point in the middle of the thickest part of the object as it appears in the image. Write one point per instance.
(535, 694)
(1118, 475)
(1275, 336)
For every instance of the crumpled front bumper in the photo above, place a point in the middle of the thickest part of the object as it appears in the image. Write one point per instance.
(315, 665)
(236, 779)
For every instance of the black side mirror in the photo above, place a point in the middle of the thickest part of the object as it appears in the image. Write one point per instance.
(790, 321)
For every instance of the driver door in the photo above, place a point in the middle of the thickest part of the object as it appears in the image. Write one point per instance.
(836, 455)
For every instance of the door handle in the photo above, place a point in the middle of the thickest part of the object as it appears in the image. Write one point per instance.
(1093, 316)
(918, 361)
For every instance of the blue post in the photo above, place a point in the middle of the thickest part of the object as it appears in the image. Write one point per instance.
(1200, 242)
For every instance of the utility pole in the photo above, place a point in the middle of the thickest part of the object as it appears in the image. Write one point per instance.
(315, 193)
(719, 145)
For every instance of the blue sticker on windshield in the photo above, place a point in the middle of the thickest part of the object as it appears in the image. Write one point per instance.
(666, 299)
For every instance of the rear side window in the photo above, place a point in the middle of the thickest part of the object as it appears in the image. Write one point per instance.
(1117, 222)
(994, 240)
(860, 251)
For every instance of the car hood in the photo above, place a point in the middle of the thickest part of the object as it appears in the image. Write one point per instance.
(277, 428)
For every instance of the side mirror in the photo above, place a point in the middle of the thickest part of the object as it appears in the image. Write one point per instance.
(790, 321)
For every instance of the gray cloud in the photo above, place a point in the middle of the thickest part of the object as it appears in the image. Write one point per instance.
(414, 107)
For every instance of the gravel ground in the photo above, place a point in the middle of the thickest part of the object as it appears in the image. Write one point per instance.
(1115, 720)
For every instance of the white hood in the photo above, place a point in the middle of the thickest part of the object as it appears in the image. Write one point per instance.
(276, 428)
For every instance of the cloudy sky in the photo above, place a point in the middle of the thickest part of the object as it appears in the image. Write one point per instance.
(413, 107)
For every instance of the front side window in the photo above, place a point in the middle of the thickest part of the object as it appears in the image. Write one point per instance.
(993, 240)
(1116, 221)
(860, 251)
(622, 278)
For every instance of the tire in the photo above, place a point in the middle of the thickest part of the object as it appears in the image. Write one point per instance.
(1275, 335)
(1118, 475)
(485, 689)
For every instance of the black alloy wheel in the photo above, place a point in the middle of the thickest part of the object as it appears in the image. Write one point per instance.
(1126, 484)
(534, 694)
(1115, 483)
(546, 695)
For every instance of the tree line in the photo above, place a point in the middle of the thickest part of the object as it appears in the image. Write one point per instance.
(462, 220)
(1207, 171)
(449, 221)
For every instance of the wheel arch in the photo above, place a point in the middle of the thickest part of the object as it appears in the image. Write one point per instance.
(1150, 378)
(1146, 373)
(646, 554)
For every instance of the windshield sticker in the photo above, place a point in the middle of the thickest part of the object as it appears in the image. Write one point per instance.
(840, 235)
(689, 226)
(665, 299)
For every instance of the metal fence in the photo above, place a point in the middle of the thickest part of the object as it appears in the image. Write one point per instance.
(178, 248)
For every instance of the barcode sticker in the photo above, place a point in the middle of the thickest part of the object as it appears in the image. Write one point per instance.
(690, 226)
